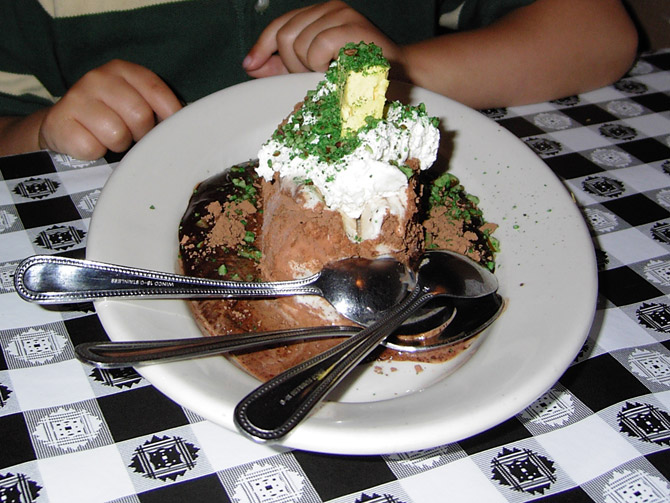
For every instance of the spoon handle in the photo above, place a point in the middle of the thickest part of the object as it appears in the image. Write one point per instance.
(48, 279)
(274, 408)
(115, 354)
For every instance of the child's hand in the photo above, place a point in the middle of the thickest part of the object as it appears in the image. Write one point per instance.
(308, 39)
(107, 109)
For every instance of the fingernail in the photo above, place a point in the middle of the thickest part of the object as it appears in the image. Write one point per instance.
(246, 62)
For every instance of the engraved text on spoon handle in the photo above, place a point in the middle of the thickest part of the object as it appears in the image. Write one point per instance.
(47, 279)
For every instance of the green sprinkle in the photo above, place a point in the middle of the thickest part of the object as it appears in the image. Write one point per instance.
(407, 171)
(358, 57)
(250, 253)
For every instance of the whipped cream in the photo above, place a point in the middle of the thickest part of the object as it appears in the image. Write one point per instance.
(366, 183)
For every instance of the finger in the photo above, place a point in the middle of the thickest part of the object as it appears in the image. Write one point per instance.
(152, 88)
(323, 48)
(133, 109)
(73, 139)
(309, 21)
(273, 66)
(82, 125)
(134, 93)
(326, 44)
(266, 45)
(320, 41)
(105, 124)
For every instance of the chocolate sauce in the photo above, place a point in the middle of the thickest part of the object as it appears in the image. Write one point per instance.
(197, 258)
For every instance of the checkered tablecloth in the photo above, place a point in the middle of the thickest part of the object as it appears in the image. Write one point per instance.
(72, 433)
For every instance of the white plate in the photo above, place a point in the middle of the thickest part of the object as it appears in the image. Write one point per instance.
(546, 270)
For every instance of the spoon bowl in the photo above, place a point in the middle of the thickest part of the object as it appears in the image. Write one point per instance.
(470, 317)
(450, 274)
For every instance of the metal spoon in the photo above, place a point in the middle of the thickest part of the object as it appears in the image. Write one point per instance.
(446, 326)
(114, 354)
(358, 288)
(277, 406)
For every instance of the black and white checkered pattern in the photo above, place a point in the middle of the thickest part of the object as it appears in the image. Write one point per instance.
(71, 433)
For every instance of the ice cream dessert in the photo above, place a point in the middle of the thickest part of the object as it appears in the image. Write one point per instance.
(345, 174)
(344, 151)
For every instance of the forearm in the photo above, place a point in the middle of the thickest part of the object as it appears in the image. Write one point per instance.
(20, 134)
(547, 50)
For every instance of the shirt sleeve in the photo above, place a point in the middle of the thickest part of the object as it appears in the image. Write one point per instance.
(471, 14)
(29, 74)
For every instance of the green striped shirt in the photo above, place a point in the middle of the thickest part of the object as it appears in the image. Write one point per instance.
(196, 46)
